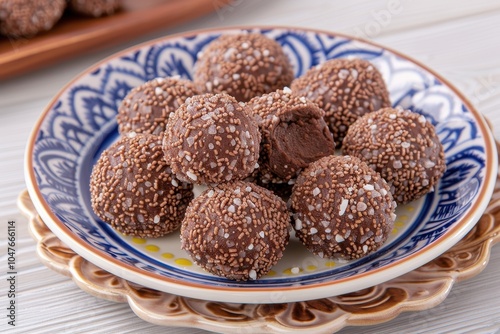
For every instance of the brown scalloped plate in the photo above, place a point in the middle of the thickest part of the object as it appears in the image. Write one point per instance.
(420, 289)
(75, 35)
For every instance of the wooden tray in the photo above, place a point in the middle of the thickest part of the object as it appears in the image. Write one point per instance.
(75, 35)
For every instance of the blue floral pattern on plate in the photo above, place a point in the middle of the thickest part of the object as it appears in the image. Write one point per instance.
(80, 123)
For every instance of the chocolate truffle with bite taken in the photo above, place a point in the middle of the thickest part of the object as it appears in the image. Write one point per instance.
(294, 134)
(133, 189)
(146, 108)
(342, 208)
(236, 230)
(243, 66)
(26, 18)
(212, 139)
(346, 89)
(402, 146)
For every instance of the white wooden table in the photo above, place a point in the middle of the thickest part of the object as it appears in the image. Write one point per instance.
(459, 39)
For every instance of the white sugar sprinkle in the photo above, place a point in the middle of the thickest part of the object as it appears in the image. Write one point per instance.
(361, 206)
(298, 224)
(158, 90)
(429, 164)
(252, 274)
(191, 175)
(212, 129)
(316, 191)
(208, 116)
(343, 206)
(339, 238)
(397, 164)
(343, 73)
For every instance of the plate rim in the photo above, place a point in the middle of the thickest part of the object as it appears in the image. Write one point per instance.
(261, 294)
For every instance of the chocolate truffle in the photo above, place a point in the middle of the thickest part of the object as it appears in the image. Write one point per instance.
(243, 65)
(212, 139)
(236, 230)
(146, 108)
(342, 208)
(26, 18)
(402, 146)
(95, 8)
(346, 89)
(294, 134)
(133, 189)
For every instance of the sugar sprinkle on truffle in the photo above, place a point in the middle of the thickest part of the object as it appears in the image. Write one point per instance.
(237, 230)
(26, 18)
(211, 139)
(147, 107)
(402, 146)
(242, 65)
(133, 189)
(335, 216)
(345, 89)
(294, 134)
(95, 8)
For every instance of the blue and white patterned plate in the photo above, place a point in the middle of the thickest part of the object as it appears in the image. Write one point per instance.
(80, 122)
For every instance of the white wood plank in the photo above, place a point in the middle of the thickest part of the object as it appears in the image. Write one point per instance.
(459, 39)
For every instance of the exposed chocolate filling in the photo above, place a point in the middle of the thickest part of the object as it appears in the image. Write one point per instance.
(298, 141)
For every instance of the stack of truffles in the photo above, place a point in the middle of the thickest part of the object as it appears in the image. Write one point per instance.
(263, 144)
(27, 18)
